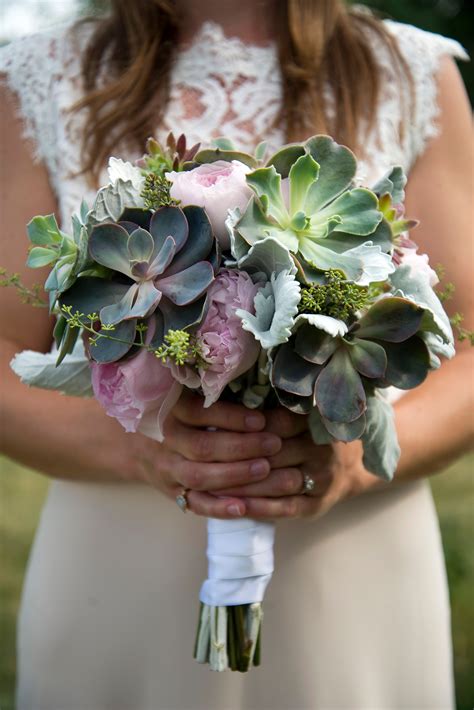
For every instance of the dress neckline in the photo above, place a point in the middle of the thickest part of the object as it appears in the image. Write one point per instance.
(211, 36)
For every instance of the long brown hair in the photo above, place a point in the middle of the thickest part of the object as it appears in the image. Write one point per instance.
(320, 43)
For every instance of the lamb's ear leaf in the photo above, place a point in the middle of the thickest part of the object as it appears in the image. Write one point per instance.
(318, 431)
(379, 440)
(72, 377)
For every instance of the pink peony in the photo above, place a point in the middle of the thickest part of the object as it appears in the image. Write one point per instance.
(139, 392)
(418, 263)
(217, 187)
(227, 348)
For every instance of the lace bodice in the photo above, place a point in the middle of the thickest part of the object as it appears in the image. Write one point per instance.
(220, 87)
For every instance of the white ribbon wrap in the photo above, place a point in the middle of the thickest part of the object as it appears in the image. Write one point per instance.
(240, 557)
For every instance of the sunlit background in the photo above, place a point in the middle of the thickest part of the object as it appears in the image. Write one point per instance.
(22, 492)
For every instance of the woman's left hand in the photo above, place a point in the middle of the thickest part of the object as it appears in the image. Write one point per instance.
(336, 469)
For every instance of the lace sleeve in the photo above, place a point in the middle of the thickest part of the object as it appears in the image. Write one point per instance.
(423, 52)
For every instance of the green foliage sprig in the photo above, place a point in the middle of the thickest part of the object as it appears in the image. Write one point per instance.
(445, 294)
(30, 296)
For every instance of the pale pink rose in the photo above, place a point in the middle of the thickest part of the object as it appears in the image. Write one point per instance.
(418, 263)
(218, 187)
(139, 392)
(229, 350)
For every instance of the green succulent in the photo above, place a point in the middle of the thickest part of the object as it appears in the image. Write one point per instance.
(317, 214)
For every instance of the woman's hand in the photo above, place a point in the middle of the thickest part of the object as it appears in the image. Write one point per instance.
(203, 461)
(337, 471)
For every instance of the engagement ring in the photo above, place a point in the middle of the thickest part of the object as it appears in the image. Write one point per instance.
(182, 501)
(308, 484)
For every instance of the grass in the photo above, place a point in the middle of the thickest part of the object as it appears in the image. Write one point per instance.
(22, 493)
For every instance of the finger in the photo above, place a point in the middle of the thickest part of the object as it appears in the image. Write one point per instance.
(297, 450)
(223, 415)
(280, 482)
(212, 507)
(213, 476)
(287, 507)
(284, 423)
(220, 446)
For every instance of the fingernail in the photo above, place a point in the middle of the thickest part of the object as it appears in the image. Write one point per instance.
(271, 445)
(255, 421)
(235, 509)
(259, 468)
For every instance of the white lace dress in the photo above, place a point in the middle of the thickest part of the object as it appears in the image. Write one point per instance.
(357, 614)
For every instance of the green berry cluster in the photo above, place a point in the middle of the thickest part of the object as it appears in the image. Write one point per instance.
(156, 192)
(337, 297)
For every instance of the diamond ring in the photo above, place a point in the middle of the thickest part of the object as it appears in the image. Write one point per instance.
(308, 484)
(182, 501)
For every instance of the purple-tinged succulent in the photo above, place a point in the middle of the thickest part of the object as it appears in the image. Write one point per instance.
(335, 372)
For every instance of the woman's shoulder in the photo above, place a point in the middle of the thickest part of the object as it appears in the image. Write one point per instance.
(413, 101)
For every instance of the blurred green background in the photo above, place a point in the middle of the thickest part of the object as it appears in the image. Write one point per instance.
(22, 492)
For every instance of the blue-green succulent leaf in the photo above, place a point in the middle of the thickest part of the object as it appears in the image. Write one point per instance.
(390, 319)
(318, 431)
(108, 350)
(337, 168)
(89, 294)
(357, 210)
(188, 285)
(41, 256)
(346, 431)
(163, 259)
(168, 221)
(302, 175)
(292, 374)
(392, 183)
(325, 259)
(379, 440)
(285, 158)
(368, 358)
(315, 345)
(266, 183)
(44, 230)
(276, 305)
(140, 245)
(408, 363)
(416, 288)
(339, 391)
(108, 245)
(199, 242)
(147, 298)
(116, 312)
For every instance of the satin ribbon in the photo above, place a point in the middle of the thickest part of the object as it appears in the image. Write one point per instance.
(240, 561)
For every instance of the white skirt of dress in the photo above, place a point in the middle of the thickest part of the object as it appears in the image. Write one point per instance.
(356, 616)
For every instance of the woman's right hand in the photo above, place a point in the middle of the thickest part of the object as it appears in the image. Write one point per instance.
(199, 459)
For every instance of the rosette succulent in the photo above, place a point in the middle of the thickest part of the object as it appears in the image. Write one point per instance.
(161, 263)
(306, 198)
(331, 365)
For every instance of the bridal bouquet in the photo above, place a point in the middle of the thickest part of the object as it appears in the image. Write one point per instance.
(270, 280)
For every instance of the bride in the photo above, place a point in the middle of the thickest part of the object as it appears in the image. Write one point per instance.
(357, 615)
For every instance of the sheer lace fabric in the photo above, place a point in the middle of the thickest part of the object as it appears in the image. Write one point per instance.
(220, 87)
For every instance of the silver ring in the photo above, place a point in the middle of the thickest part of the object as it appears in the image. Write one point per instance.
(182, 501)
(308, 484)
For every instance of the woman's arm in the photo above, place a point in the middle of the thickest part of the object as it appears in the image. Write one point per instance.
(435, 421)
(72, 438)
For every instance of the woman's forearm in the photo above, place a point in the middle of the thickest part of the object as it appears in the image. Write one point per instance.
(63, 437)
(435, 422)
